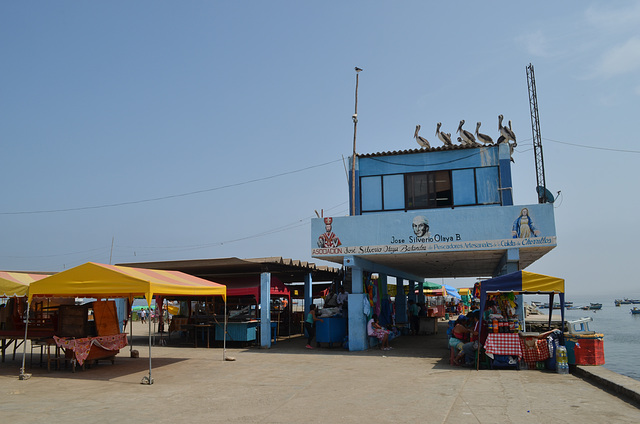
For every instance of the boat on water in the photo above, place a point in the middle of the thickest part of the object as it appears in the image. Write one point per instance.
(595, 306)
(628, 301)
(635, 310)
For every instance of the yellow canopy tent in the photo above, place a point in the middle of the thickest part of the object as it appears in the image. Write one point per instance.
(109, 281)
(100, 280)
(16, 284)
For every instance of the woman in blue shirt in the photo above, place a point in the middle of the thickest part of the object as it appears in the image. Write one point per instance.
(310, 325)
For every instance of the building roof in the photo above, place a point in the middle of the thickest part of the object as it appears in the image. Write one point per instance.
(287, 270)
(421, 150)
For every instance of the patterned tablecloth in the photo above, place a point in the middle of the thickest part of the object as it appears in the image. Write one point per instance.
(538, 352)
(503, 344)
(81, 347)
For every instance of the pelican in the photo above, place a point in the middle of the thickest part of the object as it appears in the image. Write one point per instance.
(444, 137)
(483, 137)
(514, 135)
(421, 140)
(504, 131)
(465, 135)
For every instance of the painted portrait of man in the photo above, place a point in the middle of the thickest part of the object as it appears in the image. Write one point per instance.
(421, 226)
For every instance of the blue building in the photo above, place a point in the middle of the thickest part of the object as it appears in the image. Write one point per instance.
(431, 213)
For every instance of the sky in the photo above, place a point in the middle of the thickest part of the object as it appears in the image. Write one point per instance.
(160, 130)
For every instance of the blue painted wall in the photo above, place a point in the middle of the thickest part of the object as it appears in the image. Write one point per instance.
(478, 177)
(470, 228)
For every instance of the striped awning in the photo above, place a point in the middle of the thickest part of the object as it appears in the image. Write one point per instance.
(16, 284)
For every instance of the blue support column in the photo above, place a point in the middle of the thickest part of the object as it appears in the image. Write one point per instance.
(308, 297)
(357, 323)
(308, 294)
(412, 290)
(384, 291)
(383, 296)
(401, 302)
(421, 298)
(513, 265)
(357, 319)
(265, 310)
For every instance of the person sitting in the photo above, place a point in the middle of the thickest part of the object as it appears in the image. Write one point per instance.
(458, 337)
(331, 300)
(374, 329)
(469, 349)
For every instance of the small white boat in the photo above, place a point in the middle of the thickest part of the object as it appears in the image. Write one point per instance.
(635, 310)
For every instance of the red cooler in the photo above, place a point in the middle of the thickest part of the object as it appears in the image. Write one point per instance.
(586, 349)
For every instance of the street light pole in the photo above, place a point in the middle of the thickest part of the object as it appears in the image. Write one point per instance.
(353, 157)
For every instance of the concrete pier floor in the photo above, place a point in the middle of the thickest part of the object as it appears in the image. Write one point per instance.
(290, 384)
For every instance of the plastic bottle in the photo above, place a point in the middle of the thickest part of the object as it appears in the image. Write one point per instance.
(495, 326)
(562, 363)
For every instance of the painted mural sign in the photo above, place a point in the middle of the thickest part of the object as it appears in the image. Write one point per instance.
(489, 228)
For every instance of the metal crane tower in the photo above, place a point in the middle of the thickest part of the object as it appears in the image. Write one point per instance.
(537, 140)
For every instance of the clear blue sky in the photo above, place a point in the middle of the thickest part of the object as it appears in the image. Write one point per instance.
(202, 129)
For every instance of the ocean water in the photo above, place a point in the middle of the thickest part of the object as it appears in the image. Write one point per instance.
(621, 331)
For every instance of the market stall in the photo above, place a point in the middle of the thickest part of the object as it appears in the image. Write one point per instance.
(244, 297)
(112, 281)
(13, 289)
(501, 330)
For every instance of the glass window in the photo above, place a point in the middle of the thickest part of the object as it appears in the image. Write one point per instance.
(393, 191)
(428, 190)
(464, 187)
(487, 183)
(371, 193)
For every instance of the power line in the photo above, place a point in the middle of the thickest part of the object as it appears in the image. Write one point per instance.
(286, 227)
(155, 199)
(593, 147)
(106, 249)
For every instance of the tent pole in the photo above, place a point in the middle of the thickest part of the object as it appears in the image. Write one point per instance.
(550, 310)
(130, 301)
(22, 375)
(150, 379)
(147, 379)
(224, 333)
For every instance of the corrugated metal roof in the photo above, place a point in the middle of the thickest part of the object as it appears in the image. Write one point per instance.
(422, 150)
(287, 270)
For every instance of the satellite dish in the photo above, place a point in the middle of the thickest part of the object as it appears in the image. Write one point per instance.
(545, 194)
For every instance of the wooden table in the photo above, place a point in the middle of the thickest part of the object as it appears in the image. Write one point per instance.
(202, 327)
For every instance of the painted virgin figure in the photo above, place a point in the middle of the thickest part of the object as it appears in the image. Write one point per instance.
(523, 226)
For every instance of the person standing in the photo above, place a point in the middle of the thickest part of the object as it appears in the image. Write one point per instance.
(310, 325)
(414, 320)
(343, 299)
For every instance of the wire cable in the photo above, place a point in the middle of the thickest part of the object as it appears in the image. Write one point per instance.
(155, 199)
(592, 147)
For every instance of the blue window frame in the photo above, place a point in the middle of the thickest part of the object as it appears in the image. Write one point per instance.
(434, 189)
